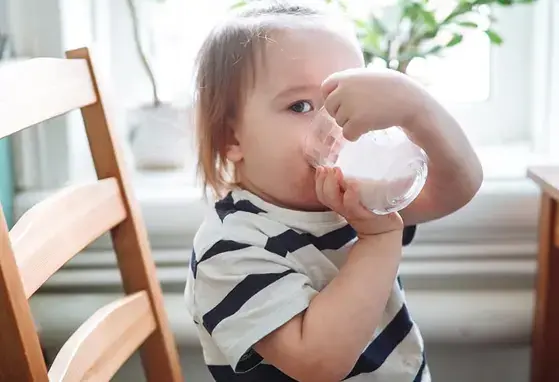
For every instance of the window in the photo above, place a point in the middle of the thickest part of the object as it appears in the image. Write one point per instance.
(487, 88)
(501, 94)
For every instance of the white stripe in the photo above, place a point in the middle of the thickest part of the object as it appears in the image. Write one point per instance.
(219, 275)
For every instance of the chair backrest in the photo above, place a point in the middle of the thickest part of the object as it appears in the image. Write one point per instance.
(56, 229)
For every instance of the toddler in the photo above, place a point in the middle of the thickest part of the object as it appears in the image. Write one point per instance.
(291, 278)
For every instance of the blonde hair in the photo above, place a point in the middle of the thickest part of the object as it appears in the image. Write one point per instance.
(225, 70)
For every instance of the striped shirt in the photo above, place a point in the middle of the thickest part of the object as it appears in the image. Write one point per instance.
(255, 266)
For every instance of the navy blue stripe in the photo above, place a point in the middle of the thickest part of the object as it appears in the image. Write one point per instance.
(386, 342)
(419, 376)
(291, 241)
(408, 235)
(193, 263)
(261, 373)
(335, 239)
(223, 246)
(288, 241)
(243, 291)
(248, 361)
(227, 206)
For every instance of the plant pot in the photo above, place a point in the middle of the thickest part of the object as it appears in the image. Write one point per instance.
(160, 137)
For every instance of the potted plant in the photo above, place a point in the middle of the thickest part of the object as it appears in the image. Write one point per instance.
(398, 32)
(417, 30)
(158, 130)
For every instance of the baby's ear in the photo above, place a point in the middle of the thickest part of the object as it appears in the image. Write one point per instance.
(234, 152)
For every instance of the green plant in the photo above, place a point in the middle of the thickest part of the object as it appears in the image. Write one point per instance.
(419, 30)
(156, 101)
(3, 45)
(422, 32)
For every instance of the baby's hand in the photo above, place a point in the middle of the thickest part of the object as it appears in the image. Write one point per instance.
(362, 100)
(342, 197)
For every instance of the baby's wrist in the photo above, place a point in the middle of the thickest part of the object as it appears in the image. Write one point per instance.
(393, 237)
(390, 224)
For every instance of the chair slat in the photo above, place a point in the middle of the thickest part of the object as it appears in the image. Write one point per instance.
(21, 358)
(55, 230)
(105, 341)
(38, 89)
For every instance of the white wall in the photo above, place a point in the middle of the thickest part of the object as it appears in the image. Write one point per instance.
(448, 364)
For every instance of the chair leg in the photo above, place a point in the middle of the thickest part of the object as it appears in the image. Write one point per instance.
(545, 335)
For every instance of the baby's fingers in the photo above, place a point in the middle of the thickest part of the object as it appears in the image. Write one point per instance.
(332, 190)
(328, 190)
(352, 204)
(320, 176)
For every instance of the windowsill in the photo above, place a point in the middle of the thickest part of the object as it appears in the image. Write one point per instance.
(492, 241)
(504, 209)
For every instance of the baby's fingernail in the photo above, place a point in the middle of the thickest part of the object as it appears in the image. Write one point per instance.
(338, 171)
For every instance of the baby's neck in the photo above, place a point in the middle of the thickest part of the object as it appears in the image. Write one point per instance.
(248, 186)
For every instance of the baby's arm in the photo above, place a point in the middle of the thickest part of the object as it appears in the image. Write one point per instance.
(324, 342)
(365, 99)
(455, 172)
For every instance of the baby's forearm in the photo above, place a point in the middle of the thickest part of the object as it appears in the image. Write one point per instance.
(438, 132)
(349, 309)
(455, 172)
(342, 318)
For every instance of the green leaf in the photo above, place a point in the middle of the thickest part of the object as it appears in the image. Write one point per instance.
(434, 50)
(372, 43)
(468, 24)
(430, 34)
(360, 24)
(409, 11)
(460, 9)
(428, 17)
(455, 40)
(378, 26)
(239, 4)
(504, 2)
(494, 37)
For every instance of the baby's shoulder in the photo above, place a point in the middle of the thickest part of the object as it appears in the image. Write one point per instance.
(245, 228)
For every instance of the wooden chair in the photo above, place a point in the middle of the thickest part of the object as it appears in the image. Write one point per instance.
(55, 230)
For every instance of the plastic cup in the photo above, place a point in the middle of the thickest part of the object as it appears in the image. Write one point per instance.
(388, 169)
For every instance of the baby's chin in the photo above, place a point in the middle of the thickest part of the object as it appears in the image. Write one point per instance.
(306, 200)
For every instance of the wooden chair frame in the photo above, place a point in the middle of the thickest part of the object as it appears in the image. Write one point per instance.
(545, 332)
(55, 230)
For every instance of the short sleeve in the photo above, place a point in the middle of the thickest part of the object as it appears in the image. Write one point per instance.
(408, 235)
(242, 293)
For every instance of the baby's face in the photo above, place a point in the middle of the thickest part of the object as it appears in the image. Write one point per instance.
(279, 110)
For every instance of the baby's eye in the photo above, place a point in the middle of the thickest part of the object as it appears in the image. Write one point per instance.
(301, 107)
